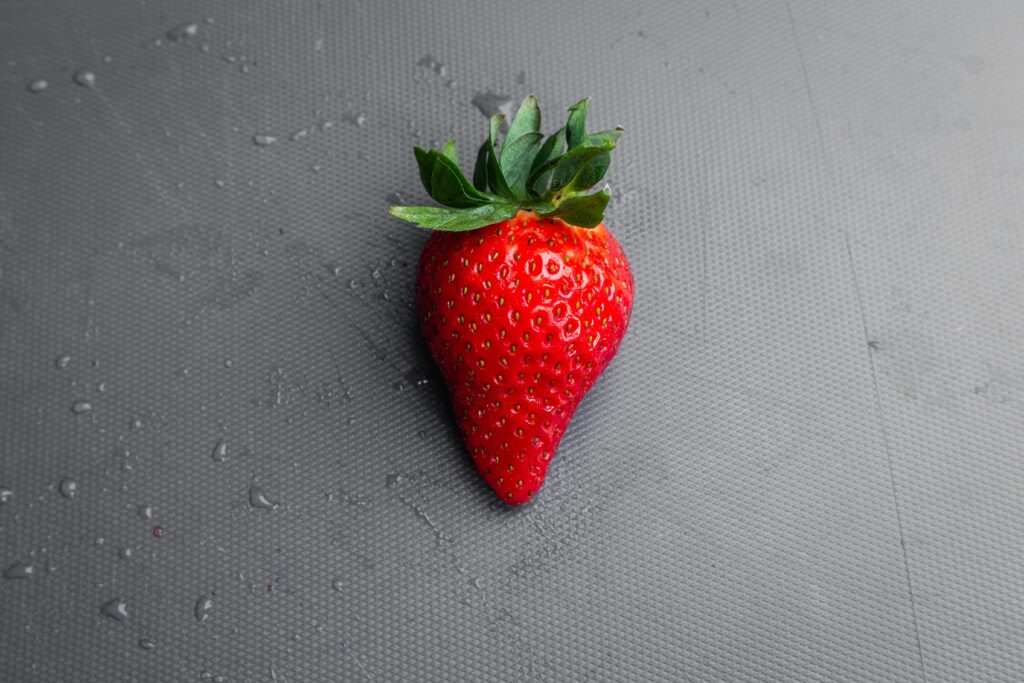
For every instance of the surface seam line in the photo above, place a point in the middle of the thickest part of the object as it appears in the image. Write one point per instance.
(888, 452)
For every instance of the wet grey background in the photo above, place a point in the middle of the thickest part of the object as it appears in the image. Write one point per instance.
(805, 463)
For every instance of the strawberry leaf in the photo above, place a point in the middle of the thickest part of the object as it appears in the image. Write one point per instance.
(562, 169)
(449, 186)
(495, 178)
(575, 163)
(575, 133)
(520, 146)
(454, 220)
(549, 152)
(425, 161)
(526, 120)
(604, 137)
(516, 159)
(449, 152)
(588, 173)
(480, 169)
(583, 210)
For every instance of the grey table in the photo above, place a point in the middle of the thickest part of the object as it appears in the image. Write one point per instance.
(224, 453)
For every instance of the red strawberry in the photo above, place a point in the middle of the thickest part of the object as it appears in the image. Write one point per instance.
(523, 295)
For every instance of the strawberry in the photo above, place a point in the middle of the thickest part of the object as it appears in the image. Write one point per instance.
(523, 295)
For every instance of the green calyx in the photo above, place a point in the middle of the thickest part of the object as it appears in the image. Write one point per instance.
(551, 177)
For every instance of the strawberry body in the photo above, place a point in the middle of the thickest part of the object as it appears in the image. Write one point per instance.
(521, 316)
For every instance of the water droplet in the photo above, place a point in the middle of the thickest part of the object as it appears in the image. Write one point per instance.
(220, 451)
(324, 125)
(20, 570)
(353, 283)
(392, 480)
(38, 85)
(299, 134)
(126, 553)
(85, 78)
(354, 118)
(263, 140)
(146, 644)
(490, 104)
(5, 495)
(62, 362)
(258, 498)
(68, 487)
(100, 541)
(183, 32)
(478, 583)
(434, 65)
(145, 511)
(80, 407)
(316, 168)
(204, 605)
(220, 183)
(228, 363)
(337, 585)
(416, 378)
(116, 609)
(101, 387)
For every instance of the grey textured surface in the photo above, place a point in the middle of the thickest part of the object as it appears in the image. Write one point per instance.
(805, 463)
